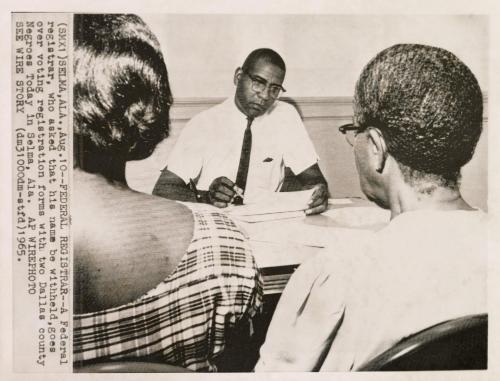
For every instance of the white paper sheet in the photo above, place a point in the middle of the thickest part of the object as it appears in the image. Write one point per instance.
(272, 202)
(339, 201)
(269, 216)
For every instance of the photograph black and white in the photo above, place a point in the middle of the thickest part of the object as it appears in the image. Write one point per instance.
(272, 194)
(386, 253)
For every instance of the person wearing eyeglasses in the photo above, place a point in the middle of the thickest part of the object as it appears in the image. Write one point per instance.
(243, 147)
(417, 119)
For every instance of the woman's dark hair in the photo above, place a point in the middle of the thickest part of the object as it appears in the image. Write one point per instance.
(121, 93)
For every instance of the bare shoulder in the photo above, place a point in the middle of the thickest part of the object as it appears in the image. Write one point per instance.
(100, 205)
(125, 242)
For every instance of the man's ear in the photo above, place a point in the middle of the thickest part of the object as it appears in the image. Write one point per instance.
(379, 147)
(237, 75)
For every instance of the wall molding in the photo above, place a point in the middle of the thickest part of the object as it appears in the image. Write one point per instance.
(310, 108)
(331, 108)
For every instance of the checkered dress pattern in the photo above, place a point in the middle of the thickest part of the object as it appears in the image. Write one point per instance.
(184, 319)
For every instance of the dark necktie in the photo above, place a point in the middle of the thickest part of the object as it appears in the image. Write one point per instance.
(246, 148)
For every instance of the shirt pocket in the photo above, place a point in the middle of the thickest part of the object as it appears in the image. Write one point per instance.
(268, 173)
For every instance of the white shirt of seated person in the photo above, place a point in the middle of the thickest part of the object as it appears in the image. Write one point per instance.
(371, 292)
(210, 147)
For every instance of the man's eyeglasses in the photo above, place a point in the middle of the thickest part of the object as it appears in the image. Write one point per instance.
(350, 131)
(259, 85)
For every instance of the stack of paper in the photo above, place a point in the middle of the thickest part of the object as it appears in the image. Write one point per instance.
(272, 206)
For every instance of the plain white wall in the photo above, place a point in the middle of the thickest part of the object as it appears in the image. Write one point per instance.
(324, 56)
(324, 53)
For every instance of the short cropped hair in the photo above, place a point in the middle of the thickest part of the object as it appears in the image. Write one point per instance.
(427, 104)
(121, 90)
(266, 55)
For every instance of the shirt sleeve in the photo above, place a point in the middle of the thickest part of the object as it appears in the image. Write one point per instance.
(307, 314)
(299, 153)
(186, 158)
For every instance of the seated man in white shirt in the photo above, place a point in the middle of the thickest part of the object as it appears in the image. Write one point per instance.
(417, 119)
(244, 146)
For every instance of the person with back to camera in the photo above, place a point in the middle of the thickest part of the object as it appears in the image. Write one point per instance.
(417, 118)
(153, 279)
(246, 146)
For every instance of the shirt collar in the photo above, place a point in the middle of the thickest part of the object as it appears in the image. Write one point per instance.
(230, 104)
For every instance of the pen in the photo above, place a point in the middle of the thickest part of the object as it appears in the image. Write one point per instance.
(238, 198)
(197, 195)
(238, 191)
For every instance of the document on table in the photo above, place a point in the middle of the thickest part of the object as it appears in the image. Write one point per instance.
(281, 243)
(272, 206)
(296, 232)
(359, 217)
(339, 201)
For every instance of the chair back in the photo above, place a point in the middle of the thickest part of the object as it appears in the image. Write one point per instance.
(458, 344)
(129, 367)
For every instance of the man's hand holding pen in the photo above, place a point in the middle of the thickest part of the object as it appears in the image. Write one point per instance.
(223, 192)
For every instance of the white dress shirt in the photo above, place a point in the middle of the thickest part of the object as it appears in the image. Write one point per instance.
(424, 268)
(210, 146)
